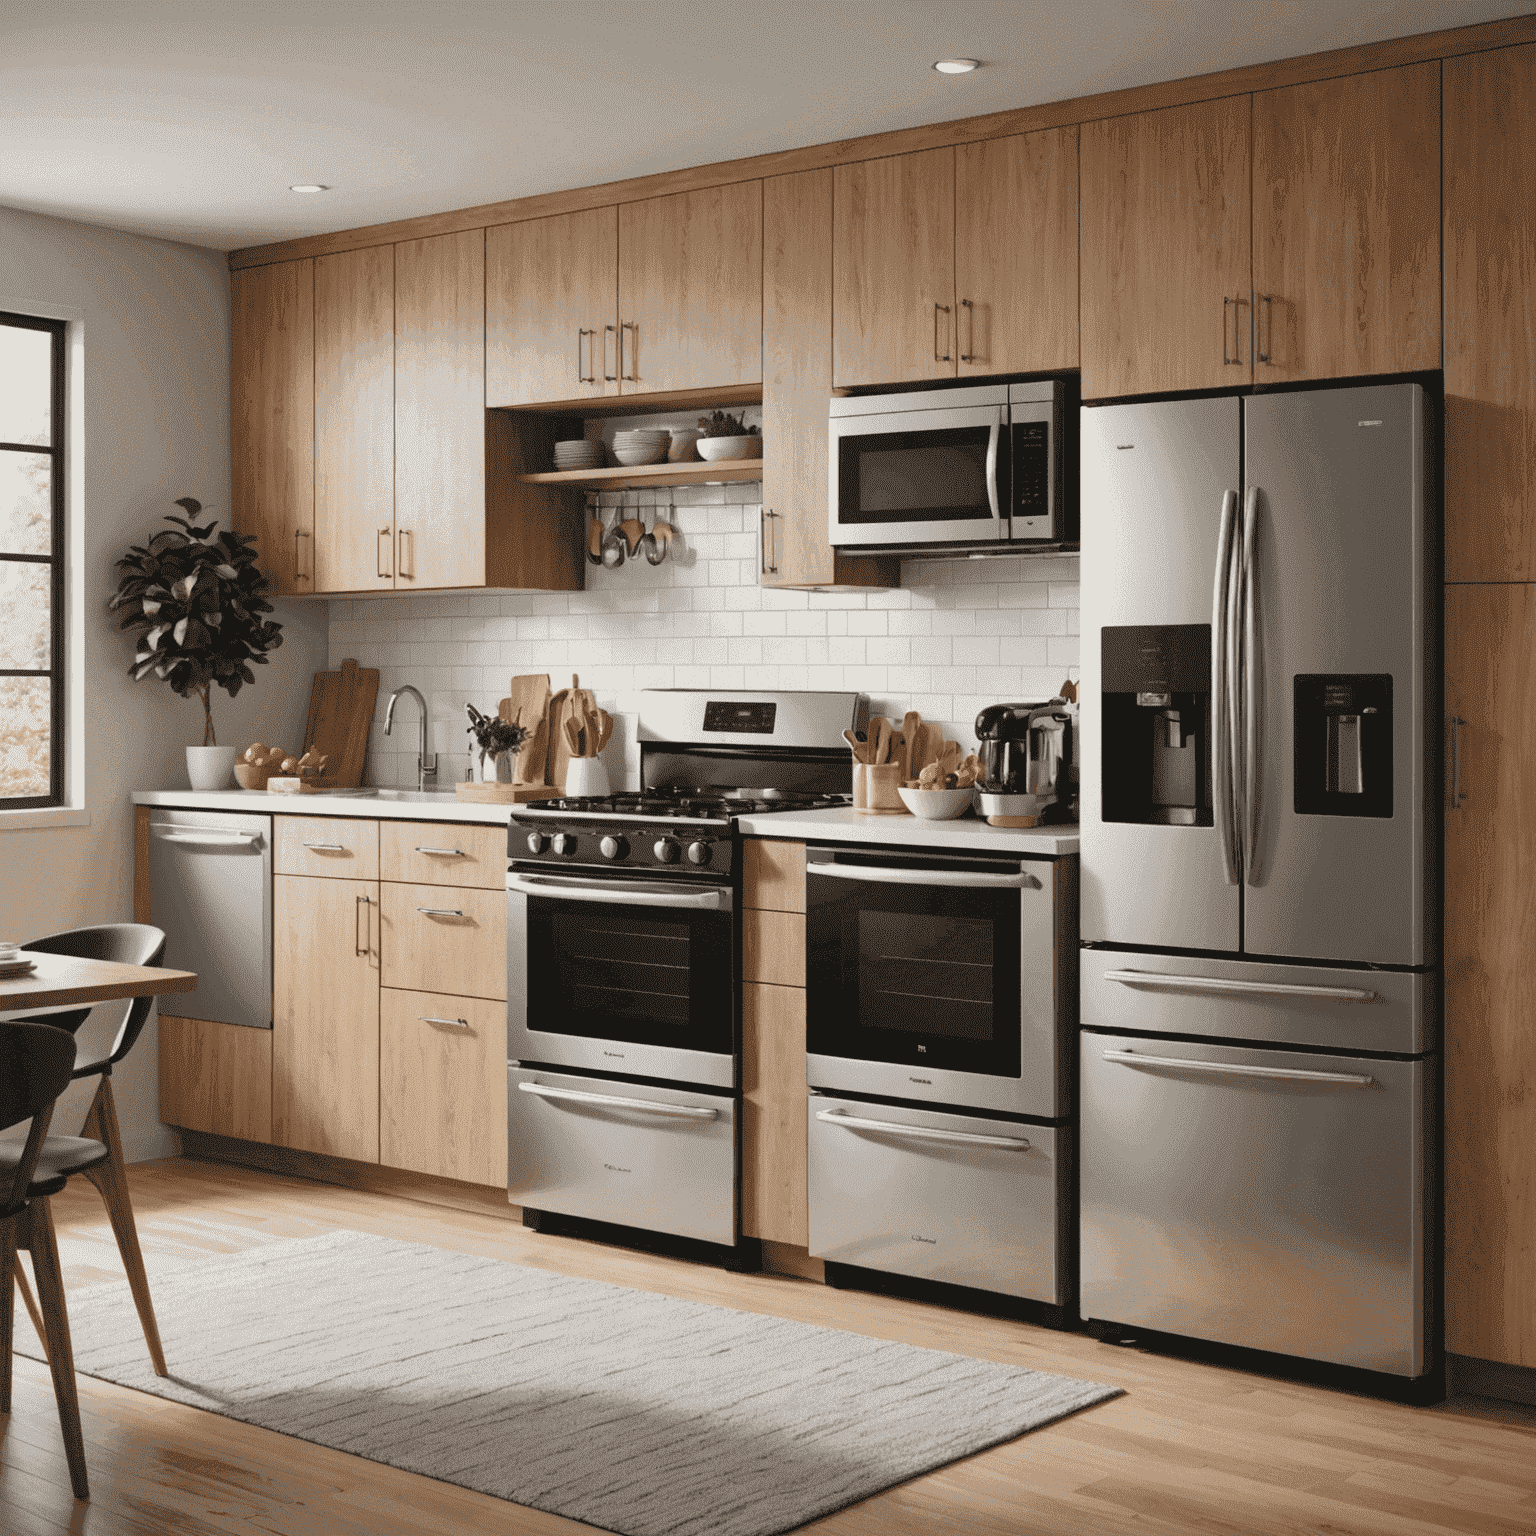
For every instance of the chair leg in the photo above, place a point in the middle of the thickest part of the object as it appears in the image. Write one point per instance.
(31, 1303)
(8, 1267)
(111, 1180)
(61, 1359)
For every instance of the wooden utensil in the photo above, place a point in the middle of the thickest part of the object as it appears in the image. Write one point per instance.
(857, 745)
(595, 542)
(528, 706)
(604, 731)
(340, 714)
(573, 736)
(632, 530)
(559, 748)
(879, 734)
(911, 723)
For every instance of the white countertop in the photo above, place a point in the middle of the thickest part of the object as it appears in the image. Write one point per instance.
(964, 833)
(438, 807)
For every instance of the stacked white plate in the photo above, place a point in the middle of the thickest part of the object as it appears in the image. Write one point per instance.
(579, 453)
(12, 962)
(641, 445)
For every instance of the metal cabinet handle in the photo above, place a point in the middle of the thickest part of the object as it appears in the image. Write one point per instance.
(406, 533)
(386, 539)
(361, 947)
(629, 325)
(922, 1132)
(1238, 1069)
(612, 1100)
(610, 378)
(1268, 301)
(440, 911)
(581, 378)
(969, 355)
(298, 564)
(1163, 981)
(770, 543)
(327, 847)
(1235, 356)
(426, 1018)
(1456, 795)
(447, 853)
(1226, 355)
(940, 309)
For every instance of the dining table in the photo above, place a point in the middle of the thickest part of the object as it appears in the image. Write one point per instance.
(62, 981)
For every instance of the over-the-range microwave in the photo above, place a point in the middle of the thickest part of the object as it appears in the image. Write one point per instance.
(954, 470)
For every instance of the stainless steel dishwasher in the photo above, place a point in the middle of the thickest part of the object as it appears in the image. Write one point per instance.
(211, 892)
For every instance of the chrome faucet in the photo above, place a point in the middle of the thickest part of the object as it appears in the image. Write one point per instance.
(426, 767)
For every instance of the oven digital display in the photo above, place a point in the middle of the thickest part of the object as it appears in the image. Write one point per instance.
(740, 719)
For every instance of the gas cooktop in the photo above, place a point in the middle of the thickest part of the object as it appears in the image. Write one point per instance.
(686, 803)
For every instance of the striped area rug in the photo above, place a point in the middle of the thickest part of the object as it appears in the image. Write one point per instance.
(630, 1411)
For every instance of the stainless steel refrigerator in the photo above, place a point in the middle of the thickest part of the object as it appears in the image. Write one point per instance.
(1259, 995)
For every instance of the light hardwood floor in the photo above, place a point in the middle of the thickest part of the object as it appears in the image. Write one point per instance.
(1189, 1448)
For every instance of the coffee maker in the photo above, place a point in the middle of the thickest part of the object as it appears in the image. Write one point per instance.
(1028, 753)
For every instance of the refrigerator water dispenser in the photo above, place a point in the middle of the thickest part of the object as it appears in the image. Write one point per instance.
(1343, 744)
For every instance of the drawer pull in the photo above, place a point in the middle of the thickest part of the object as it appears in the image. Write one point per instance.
(1222, 987)
(451, 1023)
(1238, 1069)
(327, 847)
(447, 853)
(363, 945)
(923, 1132)
(439, 912)
(649, 1106)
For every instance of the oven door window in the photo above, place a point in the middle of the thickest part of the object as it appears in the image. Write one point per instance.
(647, 975)
(913, 974)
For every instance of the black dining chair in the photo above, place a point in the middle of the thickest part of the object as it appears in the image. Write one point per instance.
(126, 944)
(35, 1063)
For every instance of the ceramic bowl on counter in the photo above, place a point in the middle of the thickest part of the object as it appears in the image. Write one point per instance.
(937, 804)
(717, 448)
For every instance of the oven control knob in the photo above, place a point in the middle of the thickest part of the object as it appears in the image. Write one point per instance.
(537, 842)
(667, 850)
(565, 842)
(699, 853)
(614, 847)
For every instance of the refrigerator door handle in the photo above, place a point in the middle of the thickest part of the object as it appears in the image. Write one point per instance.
(1225, 987)
(1250, 646)
(1239, 1069)
(1221, 686)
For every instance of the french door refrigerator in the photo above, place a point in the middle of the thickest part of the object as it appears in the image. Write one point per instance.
(1259, 995)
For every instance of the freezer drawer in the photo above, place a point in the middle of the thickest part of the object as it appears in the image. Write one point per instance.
(663, 1159)
(940, 1196)
(1342, 1010)
(1256, 1197)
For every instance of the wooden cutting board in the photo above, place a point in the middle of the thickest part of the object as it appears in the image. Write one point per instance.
(340, 713)
(560, 706)
(528, 705)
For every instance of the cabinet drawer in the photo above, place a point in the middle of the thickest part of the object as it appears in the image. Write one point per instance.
(344, 847)
(773, 875)
(443, 1086)
(773, 948)
(445, 939)
(440, 853)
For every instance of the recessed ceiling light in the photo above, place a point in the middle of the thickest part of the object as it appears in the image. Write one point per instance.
(957, 66)
(314, 186)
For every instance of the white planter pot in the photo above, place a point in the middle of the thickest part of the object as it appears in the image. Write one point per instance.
(210, 767)
(496, 770)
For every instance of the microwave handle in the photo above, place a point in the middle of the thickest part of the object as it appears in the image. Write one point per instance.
(1020, 882)
(993, 438)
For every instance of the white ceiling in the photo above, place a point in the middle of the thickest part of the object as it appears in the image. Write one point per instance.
(189, 119)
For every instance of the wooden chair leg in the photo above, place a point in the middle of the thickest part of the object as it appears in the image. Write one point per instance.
(111, 1180)
(7, 1306)
(31, 1303)
(61, 1359)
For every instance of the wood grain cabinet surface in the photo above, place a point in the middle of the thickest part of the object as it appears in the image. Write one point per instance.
(337, 847)
(439, 853)
(1490, 316)
(773, 875)
(1490, 986)
(445, 939)
(773, 1114)
(216, 1078)
(1346, 219)
(272, 417)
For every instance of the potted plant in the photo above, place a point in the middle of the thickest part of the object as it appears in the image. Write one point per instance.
(723, 436)
(194, 604)
(498, 741)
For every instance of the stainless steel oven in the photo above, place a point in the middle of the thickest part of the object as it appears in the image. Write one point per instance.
(973, 468)
(939, 977)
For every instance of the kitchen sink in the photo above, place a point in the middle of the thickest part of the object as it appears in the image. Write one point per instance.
(419, 796)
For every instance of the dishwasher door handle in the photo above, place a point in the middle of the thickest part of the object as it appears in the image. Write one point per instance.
(208, 839)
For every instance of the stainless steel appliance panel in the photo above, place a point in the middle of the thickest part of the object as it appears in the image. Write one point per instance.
(1155, 479)
(1340, 591)
(957, 1198)
(211, 892)
(663, 1159)
(1331, 1008)
(1271, 1199)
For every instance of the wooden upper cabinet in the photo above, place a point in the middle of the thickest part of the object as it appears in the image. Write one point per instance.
(1346, 219)
(1490, 988)
(1016, 254)
(893, 269)
(272, 417)
(355, 420)
(440, 447)
(551, 309)
(1490, 317)
(1166, 267)
(691, 290)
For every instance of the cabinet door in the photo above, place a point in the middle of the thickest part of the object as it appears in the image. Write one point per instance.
(1166, 243)
(1490, 317)
(893, 269)
(1346, 219)
(797, 383)
(216, 1078)
(272, 417)
(1490, 995)
(325, 1016)
(1016, 254)
(691, 290)
(355, 420)
(440, 411)
(773, 1202)
(551, 308)
(443, 1086)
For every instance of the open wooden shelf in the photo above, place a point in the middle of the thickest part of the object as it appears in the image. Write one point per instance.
(625, 477)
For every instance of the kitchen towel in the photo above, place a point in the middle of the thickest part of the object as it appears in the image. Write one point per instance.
(634, 1412)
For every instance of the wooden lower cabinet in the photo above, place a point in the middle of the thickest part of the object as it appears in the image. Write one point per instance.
(773, 875)
(773, 1196)
(773, 948)
(1490, 993)
(325, 1016)
(443, 1086)
(216, 1078)
(445, 939)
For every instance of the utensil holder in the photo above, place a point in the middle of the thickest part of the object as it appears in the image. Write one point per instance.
(586, 776)
(881, 790)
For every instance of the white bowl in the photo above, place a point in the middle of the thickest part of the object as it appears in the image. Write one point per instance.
(647, 455)
(936, 804)
(642, 437)
(717, 448)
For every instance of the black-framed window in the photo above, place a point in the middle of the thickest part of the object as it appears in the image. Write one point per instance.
(31, 561)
